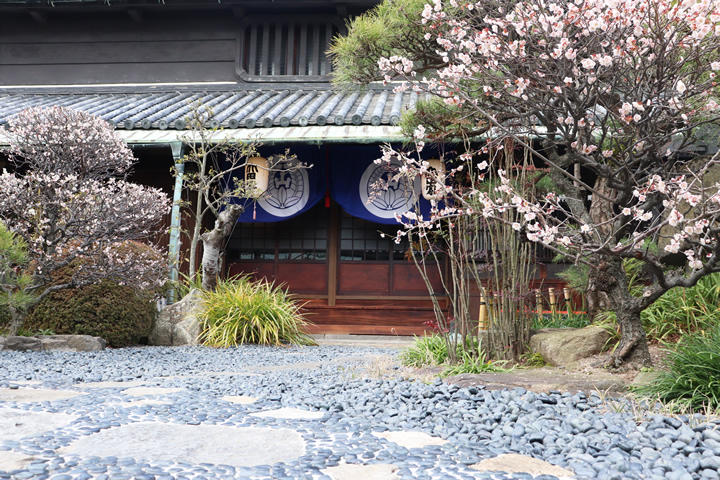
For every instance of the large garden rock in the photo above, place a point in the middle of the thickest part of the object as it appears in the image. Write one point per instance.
(22, 344)
(178, 324)
(72, 343)
(50, 343)
(564, 346)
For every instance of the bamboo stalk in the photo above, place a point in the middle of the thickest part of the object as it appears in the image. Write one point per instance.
(568, 300)
(553, 306)
(483, 320)
(538, 301)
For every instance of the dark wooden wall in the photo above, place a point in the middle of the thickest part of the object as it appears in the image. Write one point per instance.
(115, 49)
(114, 45)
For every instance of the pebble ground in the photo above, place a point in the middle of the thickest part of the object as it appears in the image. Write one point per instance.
(574, 431)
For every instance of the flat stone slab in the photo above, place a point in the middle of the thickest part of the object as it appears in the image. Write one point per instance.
(290, 414)
(377, 471)
(30, 395)
(10, 461)
(514, 463)
(240, 447)
(17, 424)
(411, 439)
(143, 391)
(240, 399)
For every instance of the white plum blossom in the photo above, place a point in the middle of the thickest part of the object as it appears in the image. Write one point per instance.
(74, 204)
(574, 76)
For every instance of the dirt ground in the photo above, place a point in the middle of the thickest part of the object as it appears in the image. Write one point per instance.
(586, 375)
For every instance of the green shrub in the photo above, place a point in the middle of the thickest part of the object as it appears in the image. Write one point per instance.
(15, 283)
(684, 310)
(243, 311)
(433, 350)
(121, 315)
(680, 311)
(692, 373)
(428, 350)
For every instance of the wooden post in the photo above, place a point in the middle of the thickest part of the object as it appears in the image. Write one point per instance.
(553, 306)
(539, 302)
(333, 257)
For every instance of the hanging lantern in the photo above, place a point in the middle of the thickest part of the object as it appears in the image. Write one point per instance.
(433, 182)
(256, 176)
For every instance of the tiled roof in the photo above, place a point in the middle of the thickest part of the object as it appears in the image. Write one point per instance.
(231, 109)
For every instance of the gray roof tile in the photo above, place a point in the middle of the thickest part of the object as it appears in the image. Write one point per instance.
(233, 109)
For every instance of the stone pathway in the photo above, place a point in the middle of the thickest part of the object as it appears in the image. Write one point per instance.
(195, 414)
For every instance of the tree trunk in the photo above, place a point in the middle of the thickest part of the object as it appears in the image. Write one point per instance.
(597, 301)
(214, 243)
(610, 277)
(16, 321)
(601, 213)
(195, 236)
(633, 348)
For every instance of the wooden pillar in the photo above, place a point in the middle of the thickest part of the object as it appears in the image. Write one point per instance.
(333, 253)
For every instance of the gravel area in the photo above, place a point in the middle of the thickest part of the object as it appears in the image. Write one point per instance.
(170, 398)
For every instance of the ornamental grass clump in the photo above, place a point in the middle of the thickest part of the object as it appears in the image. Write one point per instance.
(243, 311)
(432, 350)
(429, 350)
(692, 373)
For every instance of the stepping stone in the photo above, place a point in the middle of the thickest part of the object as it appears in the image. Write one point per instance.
(143, 391)
(14, 461)
(154, 441)
(17, 424)
(377, 471)
(514, 463)
(26, 382)
(240, 399)
(411, 439)
(30, 395)
(132, 383)
(290, 414)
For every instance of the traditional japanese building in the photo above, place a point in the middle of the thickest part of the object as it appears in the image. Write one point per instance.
(261, 67)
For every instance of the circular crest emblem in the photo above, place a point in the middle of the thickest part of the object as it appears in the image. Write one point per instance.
(383, 195)
(288, 191)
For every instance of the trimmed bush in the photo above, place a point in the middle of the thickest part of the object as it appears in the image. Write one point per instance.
(122, 315)
(243, 311)
(692, 373)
